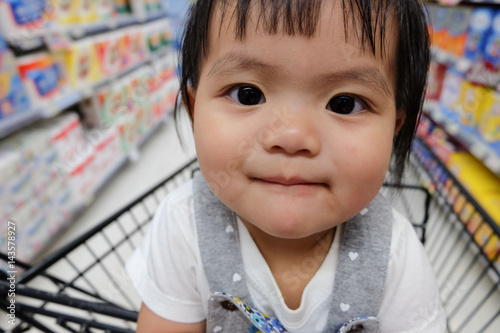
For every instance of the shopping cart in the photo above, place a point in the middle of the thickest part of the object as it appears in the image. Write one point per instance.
(83, 287)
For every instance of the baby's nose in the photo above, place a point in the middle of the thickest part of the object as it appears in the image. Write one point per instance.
(298, 136)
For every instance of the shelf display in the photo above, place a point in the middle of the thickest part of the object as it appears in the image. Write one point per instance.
(120, 79)
(458, 138)
(463, 83)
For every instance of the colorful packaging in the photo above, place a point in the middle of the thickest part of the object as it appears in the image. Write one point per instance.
(472, 174)
(458, 25)
(484, 235)
(80, 63)
(138, 47)
(492, 48)
(105, 10)
(470, 104)
(489, 123)
(14, 98)
(85, 11)
(41, 78)
(124, 47)
(122, 6)
(480, 23)
(450, 95)
(436, 77)
(16, 15)
(107, 51)
(65, 11)
(439, 26)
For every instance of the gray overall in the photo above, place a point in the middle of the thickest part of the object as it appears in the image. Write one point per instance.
(359, 279)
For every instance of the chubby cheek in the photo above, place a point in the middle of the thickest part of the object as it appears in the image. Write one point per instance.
(364, 170)
(217, 151)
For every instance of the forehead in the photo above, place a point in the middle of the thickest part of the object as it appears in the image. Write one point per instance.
(328, 23)
(369, 23)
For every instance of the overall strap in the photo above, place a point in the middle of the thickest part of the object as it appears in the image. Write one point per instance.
(218, 242)
(362, 267)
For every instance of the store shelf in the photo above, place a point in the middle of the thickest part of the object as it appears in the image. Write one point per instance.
(450, 200)
(467, 138)
(79, 31)
(71, 97)
(18, 121)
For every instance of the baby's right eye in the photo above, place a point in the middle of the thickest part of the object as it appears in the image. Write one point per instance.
(246, 95)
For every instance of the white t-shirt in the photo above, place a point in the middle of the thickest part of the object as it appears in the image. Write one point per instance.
(168, 274)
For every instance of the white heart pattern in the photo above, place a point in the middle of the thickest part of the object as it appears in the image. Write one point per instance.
(229, 229)
(344, 307)
(364, 211)
(217, 329)
(236, 277)
(353, 255)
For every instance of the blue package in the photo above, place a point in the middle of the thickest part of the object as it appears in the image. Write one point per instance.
(3, 44)
(27, 11)
(450, 95)
(13, 96)
(46, 80)
(480, 24)
(492, 48)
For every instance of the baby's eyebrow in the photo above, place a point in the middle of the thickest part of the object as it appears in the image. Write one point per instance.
(365, 75)
(232, 62)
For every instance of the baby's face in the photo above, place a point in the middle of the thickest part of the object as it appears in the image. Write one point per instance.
(294, 134)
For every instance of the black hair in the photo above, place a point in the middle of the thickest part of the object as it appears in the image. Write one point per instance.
(300, 17)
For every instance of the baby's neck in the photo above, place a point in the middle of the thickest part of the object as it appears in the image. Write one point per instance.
(287, 257)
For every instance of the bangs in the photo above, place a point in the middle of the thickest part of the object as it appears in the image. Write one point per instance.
(365, 19)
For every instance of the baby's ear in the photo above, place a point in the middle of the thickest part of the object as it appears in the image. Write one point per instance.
(189, 101)
(400, 120)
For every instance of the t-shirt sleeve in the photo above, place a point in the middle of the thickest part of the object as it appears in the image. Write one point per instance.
(165, 267)
(411, 300)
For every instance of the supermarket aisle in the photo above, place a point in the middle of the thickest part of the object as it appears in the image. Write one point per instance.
(160, 156)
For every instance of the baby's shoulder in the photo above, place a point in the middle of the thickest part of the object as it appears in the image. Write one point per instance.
(180, 195)
(175, 213)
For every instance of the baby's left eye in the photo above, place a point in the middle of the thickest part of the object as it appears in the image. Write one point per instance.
(345, 104)
(247, 95)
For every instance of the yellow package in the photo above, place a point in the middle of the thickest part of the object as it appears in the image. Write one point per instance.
(490, 202)
(86, 11)
(80, 62)
(65, 11)
(70, 12)
(488, 241)
(470, 103)
(489, 124)
(472, 174)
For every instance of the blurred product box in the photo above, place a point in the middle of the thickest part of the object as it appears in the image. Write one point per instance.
(122, 6)
(484, 235)
(472, 174)
(457, 32)
(489, 124)
(439, 21)
(435, 83)
(22, 15)
(158, 35)
(480, 23)
(492, 48)
(41, 77)
(14, 98)
(450, 95)
(80, 63)
(107, 50)
(471, 104)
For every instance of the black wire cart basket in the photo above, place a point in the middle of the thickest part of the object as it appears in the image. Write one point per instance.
(83, 286)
